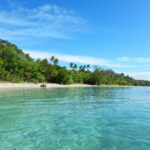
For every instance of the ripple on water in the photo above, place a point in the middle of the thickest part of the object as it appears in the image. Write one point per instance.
(75, 118)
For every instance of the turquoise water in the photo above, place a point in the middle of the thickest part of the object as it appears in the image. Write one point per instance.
(75, 119)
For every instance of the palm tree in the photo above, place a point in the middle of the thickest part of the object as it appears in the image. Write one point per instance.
(71, 65)
(75, 66)
(88, 66)
(52, 59)
(83, 68)
(80, 68)
(56, 61)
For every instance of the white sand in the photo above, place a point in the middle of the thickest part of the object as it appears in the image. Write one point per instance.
(32, 85)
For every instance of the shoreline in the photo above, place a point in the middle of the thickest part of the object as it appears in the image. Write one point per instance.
(38, 85)
(51, 85)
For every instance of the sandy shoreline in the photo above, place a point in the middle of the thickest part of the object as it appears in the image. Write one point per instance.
(32, 85)
(50, 85)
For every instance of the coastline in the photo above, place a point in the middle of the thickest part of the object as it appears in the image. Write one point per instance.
(38, 85)
(51, 85)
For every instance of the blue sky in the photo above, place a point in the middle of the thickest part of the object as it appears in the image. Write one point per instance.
(111, 33)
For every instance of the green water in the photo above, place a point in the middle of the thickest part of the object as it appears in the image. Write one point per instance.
(75, 119)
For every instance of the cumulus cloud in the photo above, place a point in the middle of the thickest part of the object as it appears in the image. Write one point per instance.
(44, 21)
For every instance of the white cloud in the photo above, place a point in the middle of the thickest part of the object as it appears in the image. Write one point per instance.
(136, 60)
(123, 59)
(147, 60)
(75, 59)
(44, 21)
(139, 75)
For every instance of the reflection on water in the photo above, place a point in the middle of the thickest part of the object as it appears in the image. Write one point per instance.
(107, 118)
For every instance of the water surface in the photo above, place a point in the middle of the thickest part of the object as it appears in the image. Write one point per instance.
(104, 118)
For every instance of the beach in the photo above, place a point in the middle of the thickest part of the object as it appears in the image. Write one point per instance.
(52, 85)
(38, 85)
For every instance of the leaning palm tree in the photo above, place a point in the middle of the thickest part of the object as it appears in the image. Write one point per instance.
(83, 68)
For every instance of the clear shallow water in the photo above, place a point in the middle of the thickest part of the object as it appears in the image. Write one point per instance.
(75, 119)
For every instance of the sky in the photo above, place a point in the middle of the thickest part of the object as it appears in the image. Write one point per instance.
(114, 34)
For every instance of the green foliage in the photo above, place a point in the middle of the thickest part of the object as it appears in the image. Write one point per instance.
(64, 77)
(16, 66)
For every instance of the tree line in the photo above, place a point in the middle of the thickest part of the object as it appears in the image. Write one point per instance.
(16, 66)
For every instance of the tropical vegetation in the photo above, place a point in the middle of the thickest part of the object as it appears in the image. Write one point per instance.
(16, 66)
